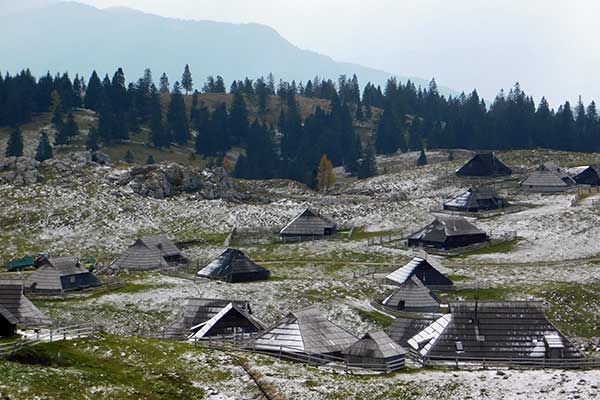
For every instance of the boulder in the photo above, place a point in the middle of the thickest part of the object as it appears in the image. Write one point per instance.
(101, 158)
(19, 171)
(165, 180)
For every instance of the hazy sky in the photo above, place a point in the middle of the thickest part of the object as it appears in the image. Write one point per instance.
(550, 47)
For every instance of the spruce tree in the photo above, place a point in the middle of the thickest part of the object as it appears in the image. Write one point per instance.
(164, 86)
(238, 120)
(129, 157)
(368, 165)
(57, 110)
(92, 140)
(71, 128)
(93, 92)
(422, 160)
(150, 160)
(14, 147)
(177, 120)
(159, 135)
(44, 149)
(186, 80)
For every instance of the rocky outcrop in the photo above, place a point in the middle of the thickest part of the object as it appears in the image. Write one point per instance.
(166, 180)
(19, 171)
(73, 162)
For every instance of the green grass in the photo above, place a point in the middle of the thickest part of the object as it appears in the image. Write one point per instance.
(118, 367)
(379, 319)
(502, 293)
(129, 288)
(503, 247)
(361, 234)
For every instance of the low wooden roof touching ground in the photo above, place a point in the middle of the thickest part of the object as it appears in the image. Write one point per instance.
(423, 270)
(495, 329)
(375, 344)
(548, 178)
(476, 198)
(232, 316)
(48, 276)
(484, 164)
(444, 227)
(585, 175)
(197, 310)
(14, 301)
(234, 266)
(412, 296)
(140, 257)
(304, 331)
(308, 223)
(164, 244)
(403, 329)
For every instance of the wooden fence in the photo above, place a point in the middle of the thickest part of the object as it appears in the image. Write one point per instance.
(525, 363)
(105, 287)
(48, 336)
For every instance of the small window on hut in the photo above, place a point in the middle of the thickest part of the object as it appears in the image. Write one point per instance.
(459, 347)
(401, 304)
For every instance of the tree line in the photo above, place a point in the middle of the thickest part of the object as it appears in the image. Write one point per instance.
(293, 147)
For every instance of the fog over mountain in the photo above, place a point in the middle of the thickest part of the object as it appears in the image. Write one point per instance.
(79, 38)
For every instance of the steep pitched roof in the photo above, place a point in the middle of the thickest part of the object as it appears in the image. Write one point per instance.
(403, 329)
(23, 310)
(140, 257)
(474, 198)
(305, 331)
(8, 315)
(197, 311)
(308, 223)
(484, 164)
(585, 175)
(496, 329)
(48, 275)
(234, 266)
(423, 270)
(444, 227)
(203, 329)
(164, 244)
(376, 344)
(414, 297)
(548, 178)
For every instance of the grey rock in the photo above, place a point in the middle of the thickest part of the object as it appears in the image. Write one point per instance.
(101, 158)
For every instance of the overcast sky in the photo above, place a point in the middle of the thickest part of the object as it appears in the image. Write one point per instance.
(549, 46)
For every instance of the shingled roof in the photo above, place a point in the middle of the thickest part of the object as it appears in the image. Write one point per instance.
(14, 302)
(585, 175)
(545, 178)
(199, 310)
(484, 165)
(304, 331)
(448, 232)
(57, 274)
(496, 329)
(423, 270)
(231, 319)
(476, 199)
(234, 266)
(309, 223)
(375, 350)
(412, 296)
(403, 329)
(167, 248)
(140, 257)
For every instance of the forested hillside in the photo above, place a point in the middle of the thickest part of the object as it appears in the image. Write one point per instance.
(284, 129)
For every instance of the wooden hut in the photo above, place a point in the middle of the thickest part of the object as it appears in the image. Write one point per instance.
(308, 225)
(403, 329)
(423, 269)
(585, 175)
(476, 200)
(209, 318)
(234, 266)
(140, 257)
(376, 351)
(8, 323)
(15, 306)
(305, 332)
(484, 165)
(507, 330)
(548, 178)
(58, 275)
(448, 233)
(412, 296)
(169, 251)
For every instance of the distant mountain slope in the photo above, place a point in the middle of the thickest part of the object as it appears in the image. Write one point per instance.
(78, 38)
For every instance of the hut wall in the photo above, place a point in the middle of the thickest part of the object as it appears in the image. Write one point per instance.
(7, 328)
(248, 276)
(465, 240)
(232, 323)
(377, 364)
(79, 281)
(545, 189)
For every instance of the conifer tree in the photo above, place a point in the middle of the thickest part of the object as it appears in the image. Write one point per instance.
(159, 135)
(150, 160)
(71, 128)
(92, 140)
(164, 86)
(422, 160)
(129, 157)
(14, 147)
(368, 165)
(238, 120)
(93, 92)
(186, 80)
(325, 175)
(56, 108)
(177, 120)
(44, 149)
